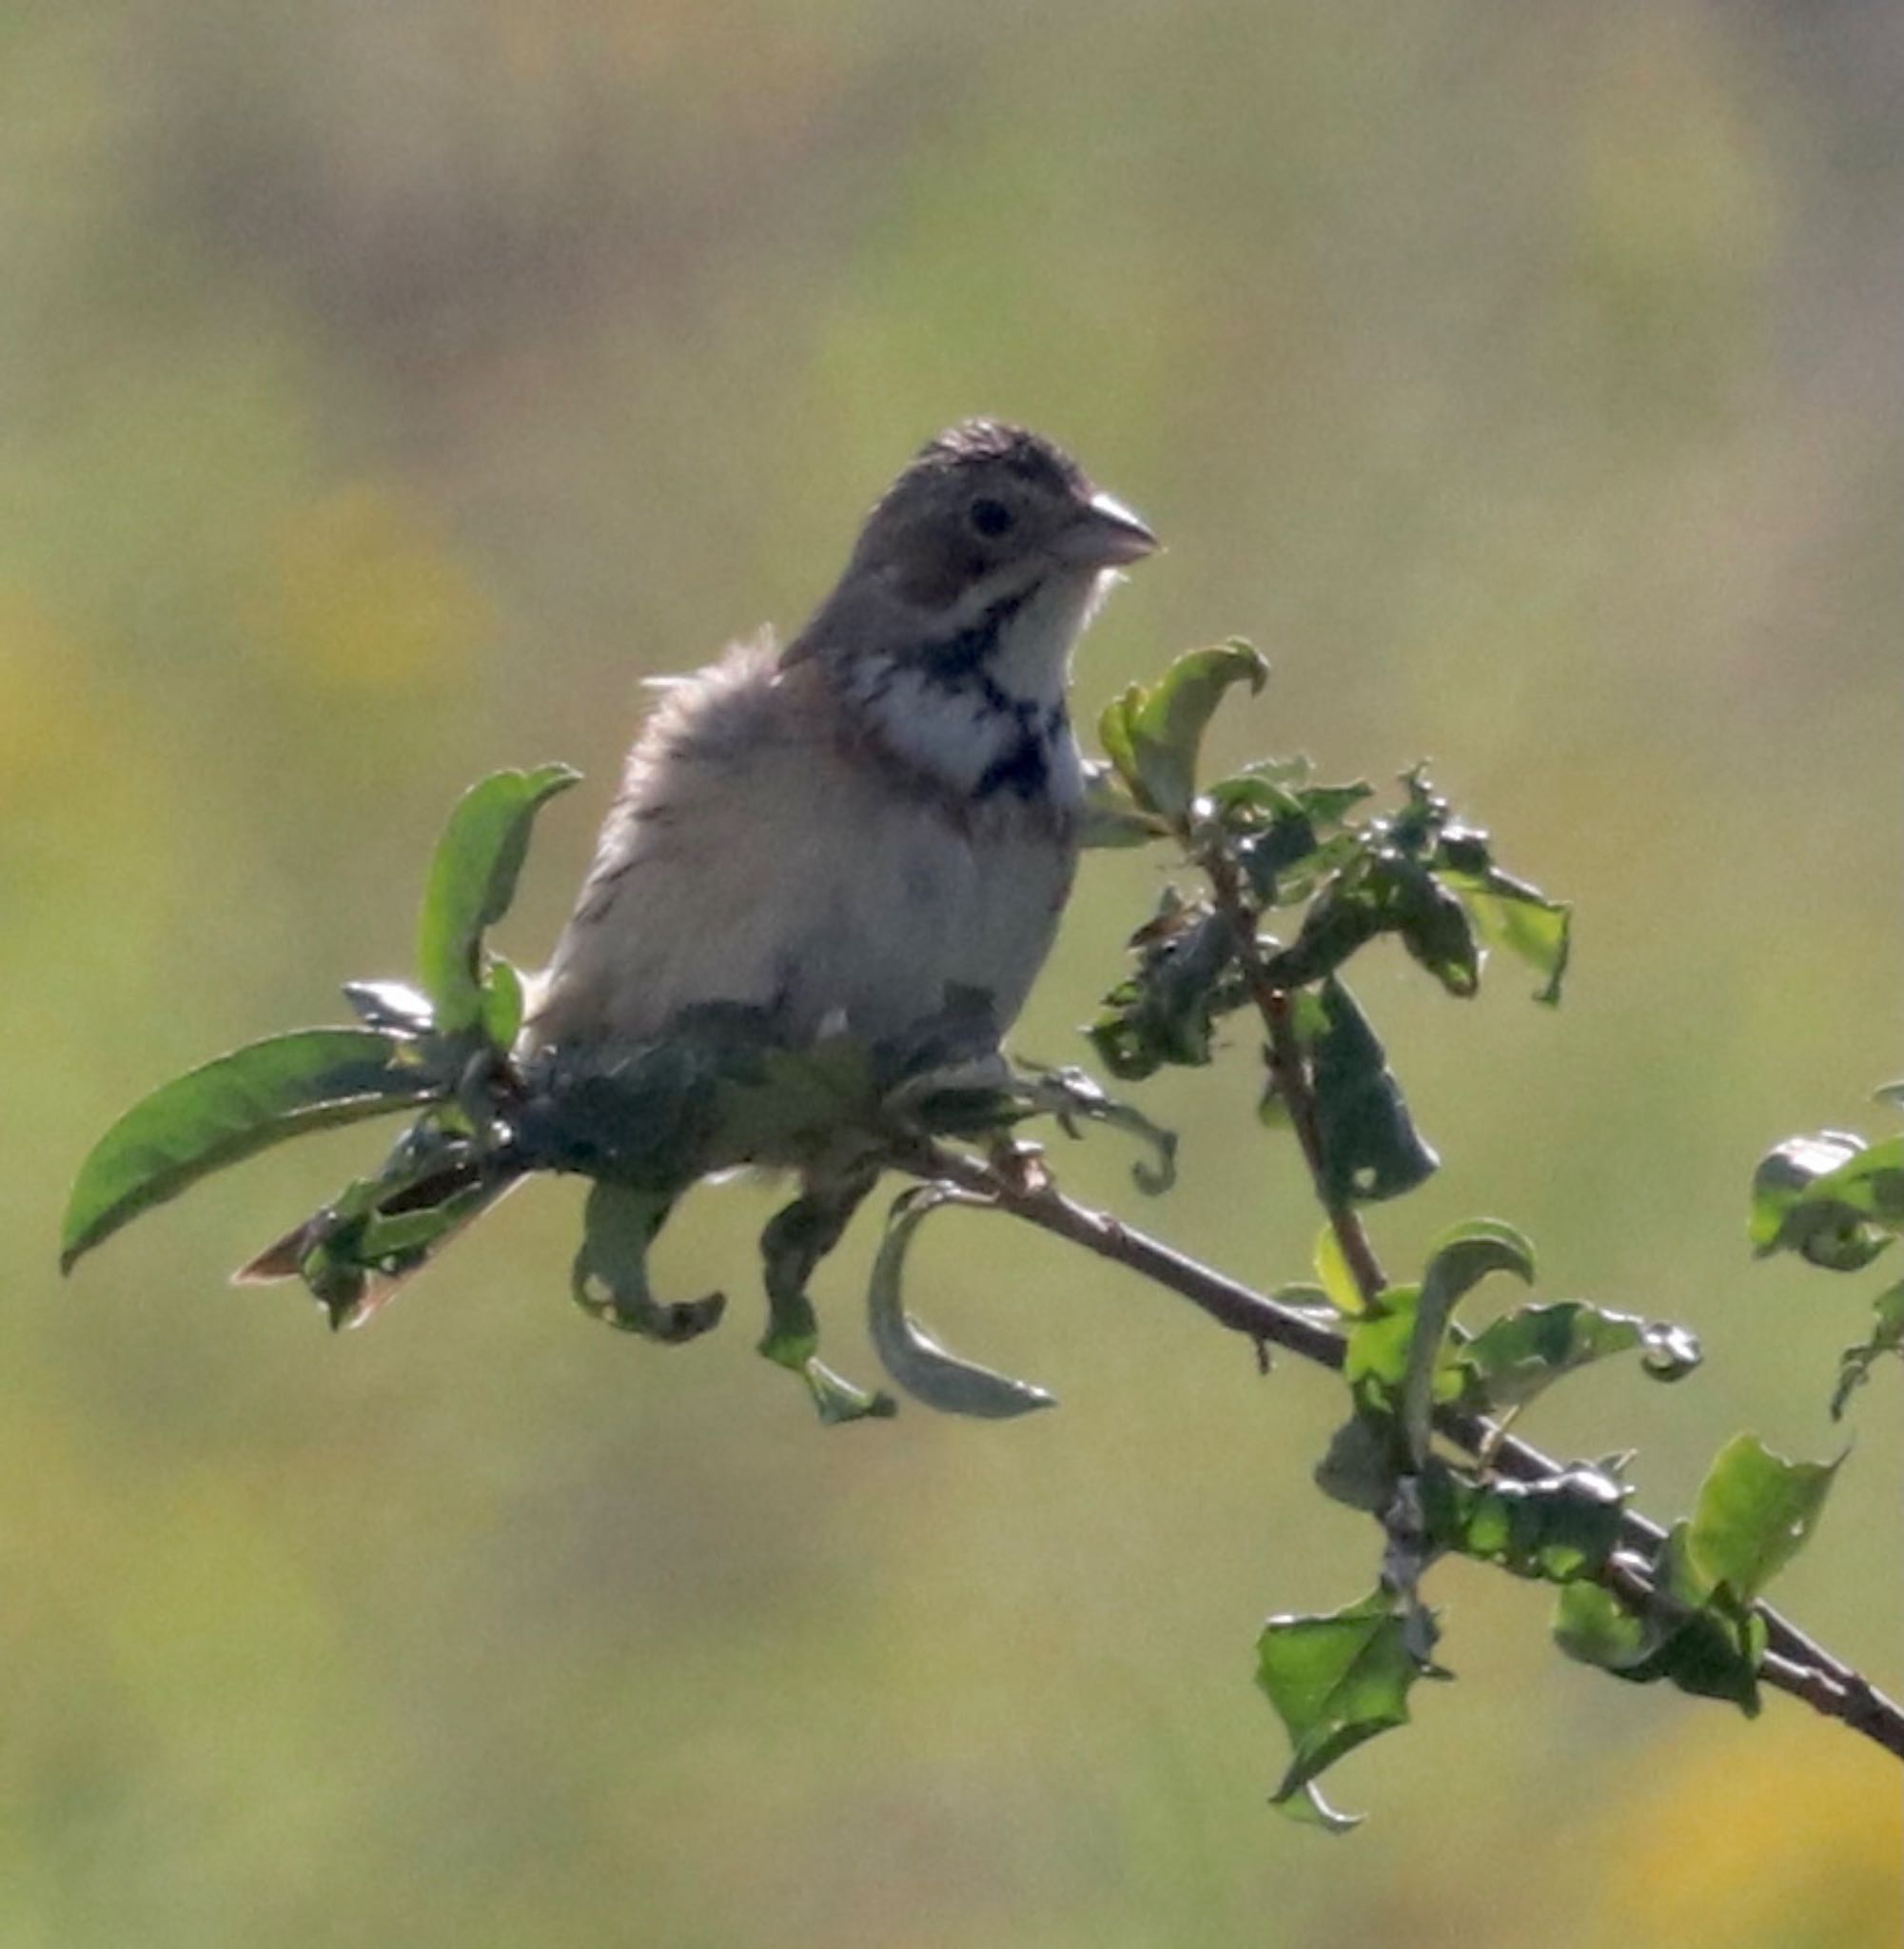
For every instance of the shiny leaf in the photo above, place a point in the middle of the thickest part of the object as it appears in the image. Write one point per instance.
(1516, 1357)
(1831, 1198)
(919, 1363)
(1559, 1529)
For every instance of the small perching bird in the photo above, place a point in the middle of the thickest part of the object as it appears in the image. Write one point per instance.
(864, 833)
(883, 813)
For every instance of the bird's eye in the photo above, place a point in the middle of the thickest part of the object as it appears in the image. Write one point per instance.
(989, 517)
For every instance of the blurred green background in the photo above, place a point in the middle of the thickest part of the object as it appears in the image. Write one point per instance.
(384, 391)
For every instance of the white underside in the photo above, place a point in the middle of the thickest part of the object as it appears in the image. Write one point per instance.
(785, 874)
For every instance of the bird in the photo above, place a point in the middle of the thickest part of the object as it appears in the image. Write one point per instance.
(859, 832)
(844, 831)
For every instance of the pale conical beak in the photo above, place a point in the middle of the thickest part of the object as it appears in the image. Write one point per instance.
(1105, 535)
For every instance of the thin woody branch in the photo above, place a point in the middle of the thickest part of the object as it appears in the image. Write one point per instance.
(1795, 1663)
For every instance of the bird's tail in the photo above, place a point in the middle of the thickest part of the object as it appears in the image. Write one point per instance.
(355, 1255)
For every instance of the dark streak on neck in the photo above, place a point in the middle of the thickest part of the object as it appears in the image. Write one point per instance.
(955, 659)
(1023, 767)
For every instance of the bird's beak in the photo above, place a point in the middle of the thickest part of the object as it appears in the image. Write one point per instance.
(1104, 534)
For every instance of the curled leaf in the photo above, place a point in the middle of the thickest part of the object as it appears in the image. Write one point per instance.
(1070, 1096)
(1701, 1639)
(471, 883)
(1461, 1259)
(1831, 1198)
(1523, 1353)
(1559, 1529)
(919, 1363)
(610, 1277)
(1153, 737)
(1519, 919)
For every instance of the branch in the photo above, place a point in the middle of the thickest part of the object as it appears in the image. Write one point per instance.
(1286, 1068)
(1794, 1663)
(1796, 1660)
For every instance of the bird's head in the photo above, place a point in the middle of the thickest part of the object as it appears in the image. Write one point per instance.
(991, 538)
(989, 510)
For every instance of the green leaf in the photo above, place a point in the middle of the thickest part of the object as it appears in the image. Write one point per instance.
(354, 1254)
(1112, 819)
(230, 1109)
(1593, 1625)
(1113, 733)
(1561, 1528)
(1516, 1357)
(1830, 1197)
(502, 1004)
(1435, 929)
(1871, 1184)
(1887, 1336)
(1309, 1809)
(1335, 1681)
(1519, 919)
(1380, 1341)
(1701, 1640)
(1753, 1513)
(1460, 1260)
(1153, 737)
(925, 1368)
(839, 1401)
(1332, 1269)
(1369, 1146)
(610, 1277)
(1166, 1011)
(471, 883)
(1344, 916)
(796, 1238)
(1166, 728)
(1359, 1468)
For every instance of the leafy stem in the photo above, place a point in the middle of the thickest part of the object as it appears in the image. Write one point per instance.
(1288, 1068)
(1426, 1449)
(1793, 1663)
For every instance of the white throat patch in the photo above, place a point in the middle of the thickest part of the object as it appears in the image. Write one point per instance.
(981, 707)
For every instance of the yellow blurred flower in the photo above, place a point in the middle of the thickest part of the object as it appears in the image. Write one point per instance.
(1785, 1835)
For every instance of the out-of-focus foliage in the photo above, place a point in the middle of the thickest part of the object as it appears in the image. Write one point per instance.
(383, 393)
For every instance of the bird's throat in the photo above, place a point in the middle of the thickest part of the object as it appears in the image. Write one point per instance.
(978, 708)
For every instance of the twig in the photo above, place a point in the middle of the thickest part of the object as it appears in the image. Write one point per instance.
(1288, 1071)
(1793, 1663)
(1859, 1703)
